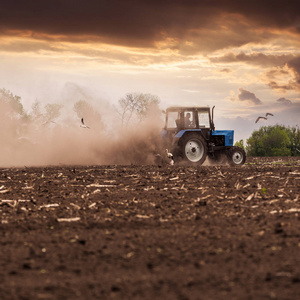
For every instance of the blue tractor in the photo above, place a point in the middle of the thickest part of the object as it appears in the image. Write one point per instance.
(190, 134)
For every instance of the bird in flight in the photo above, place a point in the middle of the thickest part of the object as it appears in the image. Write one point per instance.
(260, 118)
(82, 124)
(265, 117)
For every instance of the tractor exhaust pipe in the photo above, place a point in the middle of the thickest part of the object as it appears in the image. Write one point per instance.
(212, 119)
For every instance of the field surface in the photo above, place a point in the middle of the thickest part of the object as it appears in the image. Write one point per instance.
(151, 232)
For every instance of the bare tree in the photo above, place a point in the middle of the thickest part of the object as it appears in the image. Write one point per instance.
(36, 111)
(52, 111)
(136, 105)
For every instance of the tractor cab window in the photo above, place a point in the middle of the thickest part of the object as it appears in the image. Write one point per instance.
(189, 119)
(173, 119)
(203, 117)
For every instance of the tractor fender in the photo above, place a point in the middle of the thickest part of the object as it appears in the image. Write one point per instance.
(184, 132)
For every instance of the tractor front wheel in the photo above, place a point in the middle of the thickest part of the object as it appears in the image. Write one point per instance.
(194, 149)
(236, 156)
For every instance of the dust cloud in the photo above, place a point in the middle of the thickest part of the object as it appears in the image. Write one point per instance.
(37, 140)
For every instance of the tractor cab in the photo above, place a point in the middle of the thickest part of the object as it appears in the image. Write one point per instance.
(189, 119)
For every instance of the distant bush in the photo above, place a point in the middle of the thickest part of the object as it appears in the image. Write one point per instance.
(276, 140)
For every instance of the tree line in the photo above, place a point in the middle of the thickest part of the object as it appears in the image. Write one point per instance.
(276, 140)
(132, 108)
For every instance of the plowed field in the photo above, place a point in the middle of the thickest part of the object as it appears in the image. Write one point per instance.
(151, 232)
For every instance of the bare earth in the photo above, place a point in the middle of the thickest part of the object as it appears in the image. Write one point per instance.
(151, 232)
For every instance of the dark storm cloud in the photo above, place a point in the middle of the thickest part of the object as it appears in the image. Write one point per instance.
(254, 59)
(121, 22)
(142, 23)
(245, 95)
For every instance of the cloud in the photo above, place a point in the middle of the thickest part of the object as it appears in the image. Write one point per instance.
(281, 87)
(285, 78)
(284, 101)
(283, 74)
(226, 70)
(245, 95)
(260, 59)
(43, 137)
(294, 65)
(184, 25)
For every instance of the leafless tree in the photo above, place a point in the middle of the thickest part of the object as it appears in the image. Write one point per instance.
(136, 106)
(52, 111)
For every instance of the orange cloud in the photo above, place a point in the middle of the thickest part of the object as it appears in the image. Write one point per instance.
(195, 25)
(260, 59)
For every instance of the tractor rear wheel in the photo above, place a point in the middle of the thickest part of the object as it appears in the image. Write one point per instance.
(194, 149)
(236, 156)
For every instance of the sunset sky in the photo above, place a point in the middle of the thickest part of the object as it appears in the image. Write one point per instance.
(241, 56)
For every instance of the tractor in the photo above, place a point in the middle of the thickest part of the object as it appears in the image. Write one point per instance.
(190, 135)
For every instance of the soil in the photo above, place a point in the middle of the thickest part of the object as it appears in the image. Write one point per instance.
(151, 232)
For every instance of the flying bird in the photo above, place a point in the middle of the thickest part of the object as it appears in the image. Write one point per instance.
(265, 117)
(82, 124)
(170, 157)
(260, 118)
